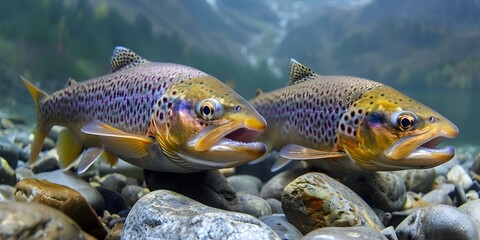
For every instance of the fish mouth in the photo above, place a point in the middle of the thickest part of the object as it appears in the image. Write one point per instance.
(422, 150)
(233, 142)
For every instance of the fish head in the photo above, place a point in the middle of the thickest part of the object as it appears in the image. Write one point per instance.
(203, 123)
(387, 130)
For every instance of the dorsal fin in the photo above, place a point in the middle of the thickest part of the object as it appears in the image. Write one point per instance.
(123, 58)
(70, 81)
(259, 92)
(298, 72)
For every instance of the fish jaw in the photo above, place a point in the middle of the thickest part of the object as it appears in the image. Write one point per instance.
(232, 143)
(421, 151)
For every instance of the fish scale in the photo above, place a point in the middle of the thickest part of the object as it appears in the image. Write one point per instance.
(362, 124)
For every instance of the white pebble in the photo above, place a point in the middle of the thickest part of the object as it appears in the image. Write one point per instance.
(458, 175)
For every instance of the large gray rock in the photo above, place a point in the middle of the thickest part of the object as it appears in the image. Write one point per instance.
(21, 220)
(71, 180)
(344, 233)
(383, 190)
(315, 200)
(164, 214)
(437, 222)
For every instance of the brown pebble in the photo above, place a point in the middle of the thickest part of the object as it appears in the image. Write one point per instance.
(63, 198)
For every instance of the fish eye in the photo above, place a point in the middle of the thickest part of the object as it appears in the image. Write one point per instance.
(209, 109)
(404, 120)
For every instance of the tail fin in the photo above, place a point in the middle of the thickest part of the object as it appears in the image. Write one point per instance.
(41, 130)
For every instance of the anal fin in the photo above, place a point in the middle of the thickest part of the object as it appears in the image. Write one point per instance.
(69, 148)
(297, 152)
(117, 141)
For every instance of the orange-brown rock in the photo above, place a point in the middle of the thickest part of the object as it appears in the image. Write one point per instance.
(63, 198)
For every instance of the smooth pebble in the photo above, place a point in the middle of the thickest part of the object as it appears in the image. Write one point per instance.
(253, 205)
(282, 227)
(163, 214)
(437, 222)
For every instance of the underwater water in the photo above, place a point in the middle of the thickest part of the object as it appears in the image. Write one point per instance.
(459, 106)
(428, 50)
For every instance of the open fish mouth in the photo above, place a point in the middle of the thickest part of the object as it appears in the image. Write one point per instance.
(413, 153)
(429, 151)
(231, 137)
(241, 139)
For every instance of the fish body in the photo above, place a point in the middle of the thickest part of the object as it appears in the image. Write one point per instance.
(344, 123)
(158, 116)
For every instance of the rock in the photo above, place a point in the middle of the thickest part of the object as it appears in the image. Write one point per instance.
(114, 181)
(439, 181)
(53, 134)
(437, 222)
(383, 190)
(7, 175)
(471, 195)
(208, 187)
(23, 172)
(389, 233)
(282, 227)
(437, 197)
(132, 193)
(458, 175)
(48, 144)
(246, 183)
(253, 205)
(275, 205)
(472, 209)
(9, 152)
(414, 200)
(344, 233)
(6, 193)
(315, 200)
(71, 180)
(274, 187)
(115, 233)
(163, 214)
(46, 163)
(123, 168)
(114, 201)
(64, 199)
(21, 220)
(418, 180)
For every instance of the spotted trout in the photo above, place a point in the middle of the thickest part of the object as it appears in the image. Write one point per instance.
(158, 116)
(344, 123)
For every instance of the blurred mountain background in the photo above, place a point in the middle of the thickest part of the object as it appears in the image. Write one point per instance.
(429, 49)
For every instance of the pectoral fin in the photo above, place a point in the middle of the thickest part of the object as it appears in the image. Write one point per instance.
(297, 152)
(69, 148)
(117, 141)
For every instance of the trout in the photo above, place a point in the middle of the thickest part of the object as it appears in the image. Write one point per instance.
(158, 116)
(345, 124)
